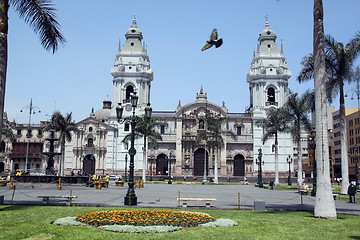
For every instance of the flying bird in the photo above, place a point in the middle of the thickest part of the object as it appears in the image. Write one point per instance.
(213, 41)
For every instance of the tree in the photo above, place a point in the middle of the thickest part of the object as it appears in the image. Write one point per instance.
(40, 15)
(298, 109)
(7, 132)
(324, 201)
(215, 135)
(273, 124)
(147, 130)
(65, 126)
(339, 61)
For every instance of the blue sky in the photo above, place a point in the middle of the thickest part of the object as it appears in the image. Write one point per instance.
(77, 78)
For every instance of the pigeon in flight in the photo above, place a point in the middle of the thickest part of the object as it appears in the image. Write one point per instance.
(213, 41)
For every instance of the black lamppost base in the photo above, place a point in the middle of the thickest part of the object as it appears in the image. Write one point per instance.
(169, 182)
(313, 192)
(130, 200)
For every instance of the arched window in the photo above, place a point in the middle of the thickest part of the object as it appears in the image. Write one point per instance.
(129, 90)
(90, 142)
(271, 95)
(201, 124)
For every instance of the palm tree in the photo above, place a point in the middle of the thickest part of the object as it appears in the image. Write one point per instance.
(324, 202)
(273, 124)
(65, 126)
(298, 109)
(146, 130)
(39, 14)
(215, 134)
(339, 60)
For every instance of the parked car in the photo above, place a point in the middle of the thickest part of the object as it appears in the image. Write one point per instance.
(115, 177)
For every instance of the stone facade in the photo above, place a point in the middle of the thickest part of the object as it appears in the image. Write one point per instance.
(98, 147)
(180, 143)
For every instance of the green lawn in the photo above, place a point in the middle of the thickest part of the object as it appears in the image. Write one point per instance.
(34, 222)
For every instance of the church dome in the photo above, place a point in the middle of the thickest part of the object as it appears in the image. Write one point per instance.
(104, 113)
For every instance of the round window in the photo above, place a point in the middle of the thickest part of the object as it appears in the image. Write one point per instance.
(268, 45)
(132, 44)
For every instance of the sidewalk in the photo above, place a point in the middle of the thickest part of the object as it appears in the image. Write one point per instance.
(165, 196)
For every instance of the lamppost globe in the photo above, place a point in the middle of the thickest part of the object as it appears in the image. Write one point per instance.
(119, 111)
(134, 99)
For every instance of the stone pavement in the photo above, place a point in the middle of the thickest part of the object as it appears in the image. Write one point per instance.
(165, 196)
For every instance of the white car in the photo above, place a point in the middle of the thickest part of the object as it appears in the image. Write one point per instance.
(114, 177)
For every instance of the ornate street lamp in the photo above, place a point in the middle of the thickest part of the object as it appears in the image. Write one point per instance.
(260, 162)
(312, 144)
(356, 92)
(151, 170)
(169, 163)
(31, 108)
(289, 161)
(356, 166)
(126, 167)
(130, 198)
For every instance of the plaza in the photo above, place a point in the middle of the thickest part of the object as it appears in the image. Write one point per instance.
(165, 196)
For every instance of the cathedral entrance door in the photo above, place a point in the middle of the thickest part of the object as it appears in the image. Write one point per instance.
(161, 165)
(239, 165)
(89, 165)
(199, 156)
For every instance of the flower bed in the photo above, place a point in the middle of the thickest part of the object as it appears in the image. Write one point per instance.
(145, 218)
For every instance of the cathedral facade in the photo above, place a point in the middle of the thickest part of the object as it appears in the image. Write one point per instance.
(180, 150)
(98, 147)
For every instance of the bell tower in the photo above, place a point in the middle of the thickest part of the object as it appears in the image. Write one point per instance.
(131, 74)
(131, 71)
(268, 85)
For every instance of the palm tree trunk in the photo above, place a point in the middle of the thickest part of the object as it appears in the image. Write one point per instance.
(62, 161)
(324, 202)
(344, 155)
(276, 162)
(144, 159)
(3, 56)
(216, 178)
(300, 172)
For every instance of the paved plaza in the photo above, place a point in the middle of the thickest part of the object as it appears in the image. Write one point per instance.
(165, 196)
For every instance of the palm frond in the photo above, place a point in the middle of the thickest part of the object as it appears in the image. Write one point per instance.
(64, 125)
(41, 17)
(307, 71)
(146, 128)
(274, 123)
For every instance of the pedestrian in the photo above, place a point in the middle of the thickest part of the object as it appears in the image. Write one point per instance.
(352, 193)
(107, 178)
